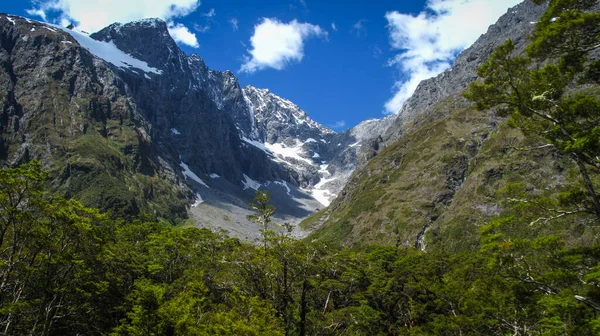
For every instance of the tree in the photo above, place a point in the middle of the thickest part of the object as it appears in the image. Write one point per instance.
(49, 249)
(541, 99)
(263, 214)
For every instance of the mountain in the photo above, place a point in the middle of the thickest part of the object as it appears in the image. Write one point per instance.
(125, 121)
(444, 166)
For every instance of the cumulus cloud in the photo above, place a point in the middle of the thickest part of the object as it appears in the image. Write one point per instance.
(333, 26)
(92, 16)
(429, 42)
(181, 34)
(276, 44)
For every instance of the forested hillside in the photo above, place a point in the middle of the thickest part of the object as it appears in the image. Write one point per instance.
(70, 270)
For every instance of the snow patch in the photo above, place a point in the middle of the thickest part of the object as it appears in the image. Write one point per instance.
(198, 201)
(319, 193)
(322, 195)
(109, 52)
(310, 140)
(11, 20)
(214, 176)
(316, 156)
(146, 75)
(250, 183)
(287, 152)
(32, 29)
(188, 173)
(355, 144)
(175, 131)
(323, 141)
(258, 145)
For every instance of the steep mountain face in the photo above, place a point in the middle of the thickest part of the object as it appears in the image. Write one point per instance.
(321, 161)
(515, 25)
(126, 121)
(441, 174)
(78, 116)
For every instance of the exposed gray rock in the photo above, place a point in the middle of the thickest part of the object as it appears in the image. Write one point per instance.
(186, 115)
(191, 123)
(516, 25)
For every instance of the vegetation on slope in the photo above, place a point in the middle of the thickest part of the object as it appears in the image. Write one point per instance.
(68, 270)
(81, 124)
(456, 168)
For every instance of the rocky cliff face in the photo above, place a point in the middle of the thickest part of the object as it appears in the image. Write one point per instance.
(515, 25)
(124, 119)
(78, 115)
(442, 162)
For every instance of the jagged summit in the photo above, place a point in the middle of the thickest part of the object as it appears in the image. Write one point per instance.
(277, 114)
(166, 119)
(154, 23)
(148, 40)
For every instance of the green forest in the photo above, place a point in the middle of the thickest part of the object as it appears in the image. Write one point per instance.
(69, 270)
(66, 269)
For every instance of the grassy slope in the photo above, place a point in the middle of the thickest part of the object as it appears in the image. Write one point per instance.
(445, 177)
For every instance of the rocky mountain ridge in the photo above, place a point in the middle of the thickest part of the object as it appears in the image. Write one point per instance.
(166, 119)
(442, 164)
(516, 25)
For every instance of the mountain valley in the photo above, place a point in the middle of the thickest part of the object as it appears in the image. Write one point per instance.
(176, 132)
(143, 193)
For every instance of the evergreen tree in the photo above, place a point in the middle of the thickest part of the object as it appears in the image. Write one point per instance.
(546, 99)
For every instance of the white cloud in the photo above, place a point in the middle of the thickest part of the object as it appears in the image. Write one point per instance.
(234, 23)
(37, 12)
(359, 28)
(333, 26)
(211, 13)
(429, 42)
(181, 34)
(339, 124)
(276, 44)
(94, 15)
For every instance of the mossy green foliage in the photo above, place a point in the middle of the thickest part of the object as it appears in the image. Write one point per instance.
(71, 270)
(315, 220)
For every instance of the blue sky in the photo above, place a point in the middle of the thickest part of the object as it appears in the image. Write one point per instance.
(340, 61)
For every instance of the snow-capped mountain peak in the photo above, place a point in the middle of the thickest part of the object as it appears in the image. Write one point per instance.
(274, 111)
